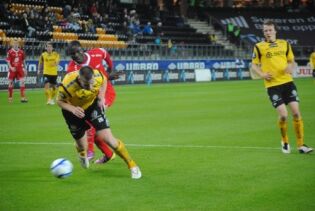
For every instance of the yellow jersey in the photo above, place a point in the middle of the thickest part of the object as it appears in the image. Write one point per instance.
(273, 58)
(71, 91)
(50, 62)
(312, 60)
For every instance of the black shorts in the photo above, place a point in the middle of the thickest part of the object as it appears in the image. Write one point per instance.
(52, 79)
(284, 93)
(313, 73)
(93, 115)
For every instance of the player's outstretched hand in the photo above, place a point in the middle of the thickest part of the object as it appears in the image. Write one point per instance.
(115, 75)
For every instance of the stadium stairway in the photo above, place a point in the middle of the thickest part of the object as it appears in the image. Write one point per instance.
(204, 28)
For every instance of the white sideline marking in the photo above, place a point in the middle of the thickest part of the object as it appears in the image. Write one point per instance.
(149, 145)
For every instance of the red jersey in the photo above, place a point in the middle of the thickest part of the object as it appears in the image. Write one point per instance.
(94, 58)
(16, 58)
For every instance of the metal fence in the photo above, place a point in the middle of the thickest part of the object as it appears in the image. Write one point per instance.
(163, 51)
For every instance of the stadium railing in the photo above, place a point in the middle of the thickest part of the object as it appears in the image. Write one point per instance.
(136, 51)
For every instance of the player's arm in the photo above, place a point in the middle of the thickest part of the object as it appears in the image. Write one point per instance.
(101, 94)
(291, 67)
(8, 60)
(290, 58)
(62, 102)
(108, 60)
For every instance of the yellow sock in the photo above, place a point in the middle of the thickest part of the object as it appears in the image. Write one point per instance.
(47, 94)
(283, 129)
(82, 153)
(299, 131)
(123, 153)
(53, 93)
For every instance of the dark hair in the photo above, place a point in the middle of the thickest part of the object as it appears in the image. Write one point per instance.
(269, 22)
(73, 47)
(86, 72)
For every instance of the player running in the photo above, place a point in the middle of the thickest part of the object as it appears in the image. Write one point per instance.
(273, 60)
(94, 58)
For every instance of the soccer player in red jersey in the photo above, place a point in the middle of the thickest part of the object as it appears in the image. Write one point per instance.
(94, 58)
(16, 62)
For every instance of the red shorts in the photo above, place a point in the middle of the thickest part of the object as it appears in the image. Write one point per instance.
(18, 74)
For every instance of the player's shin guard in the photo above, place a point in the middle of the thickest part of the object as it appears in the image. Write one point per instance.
(103, 147)
(283, 129)
(123, 153)
(299, 131)
(90, 137)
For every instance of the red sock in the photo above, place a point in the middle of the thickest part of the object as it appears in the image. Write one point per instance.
(10, 91)
(103, 147)
(22, 90)
(90, 138)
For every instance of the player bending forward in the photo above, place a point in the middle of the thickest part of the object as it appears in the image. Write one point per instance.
(81, 97)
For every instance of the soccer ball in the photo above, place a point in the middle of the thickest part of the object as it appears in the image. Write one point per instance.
(61, 168)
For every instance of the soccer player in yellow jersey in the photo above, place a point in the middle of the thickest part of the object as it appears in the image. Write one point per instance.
(312, 63)
(81, 97)
(273, 60)
(48, 64)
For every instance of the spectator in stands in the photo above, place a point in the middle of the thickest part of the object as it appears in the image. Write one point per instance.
(47, 26)
(273, 60)
(147, 30)
(158, 30)
(27, 27)
(73, 23)
(4, 12)
(212, 38)
(126, 30)
(66, 11)
(312, 63)
(93, 9)
(52, 18)
(230, 30)
(90, 26)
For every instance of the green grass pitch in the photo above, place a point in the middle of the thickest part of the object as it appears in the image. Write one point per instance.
(201, 146)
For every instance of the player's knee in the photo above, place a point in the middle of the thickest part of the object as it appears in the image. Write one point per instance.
(283, 118)
(296, 115)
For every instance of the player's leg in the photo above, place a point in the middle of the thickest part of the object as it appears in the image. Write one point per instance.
(275, 96)
(119, 147)
(47, 89)
(10, 91)
(298, 125)
(21, 78)
(283, 126)
(108, 154)
(53, 88)
(90, 140)
(11, 78)
(291, 98)
(81, 145)
(77, 128)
